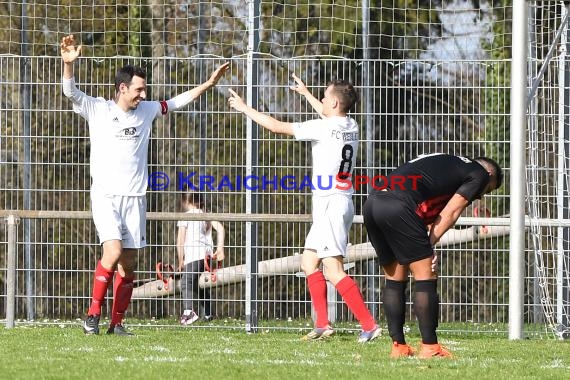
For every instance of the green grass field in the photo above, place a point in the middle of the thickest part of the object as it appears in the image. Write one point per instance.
(63, 352)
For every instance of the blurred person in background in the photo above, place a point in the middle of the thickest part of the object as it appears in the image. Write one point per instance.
(195, 245)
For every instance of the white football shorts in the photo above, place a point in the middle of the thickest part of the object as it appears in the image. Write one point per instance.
(332, 218)
(120, 217)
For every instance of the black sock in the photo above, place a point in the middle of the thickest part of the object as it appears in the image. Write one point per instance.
(394, 302)
(426, 308)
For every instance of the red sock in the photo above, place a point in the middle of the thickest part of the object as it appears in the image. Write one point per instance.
(318, 290)
(122, 292)
(351, 295)
(101, 281)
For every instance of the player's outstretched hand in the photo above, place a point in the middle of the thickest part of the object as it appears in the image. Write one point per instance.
(300, 87)
(218, 73)
(235, 101)
(69, 52)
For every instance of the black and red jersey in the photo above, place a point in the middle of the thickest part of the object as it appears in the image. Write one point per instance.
(431, 180)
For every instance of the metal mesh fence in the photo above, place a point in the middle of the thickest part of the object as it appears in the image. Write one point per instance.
(426, 84)
(204, 147)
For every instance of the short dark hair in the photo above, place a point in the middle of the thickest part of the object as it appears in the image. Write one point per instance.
(125, 75)
(192, 197)
(498, 172)
(345, 92)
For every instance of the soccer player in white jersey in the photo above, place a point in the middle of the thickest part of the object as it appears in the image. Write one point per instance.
(334, 140)
(119, 131)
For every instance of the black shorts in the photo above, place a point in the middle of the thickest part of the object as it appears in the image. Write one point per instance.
(395, 230)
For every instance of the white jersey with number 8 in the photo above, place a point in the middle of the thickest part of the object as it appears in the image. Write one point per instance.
(334, 146)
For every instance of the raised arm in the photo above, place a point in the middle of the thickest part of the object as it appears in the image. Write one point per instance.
(301, 89)
(69, 53)
(265, 121)
(185, 98)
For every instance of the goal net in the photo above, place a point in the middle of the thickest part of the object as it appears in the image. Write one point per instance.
(547, 162)
(185, 28)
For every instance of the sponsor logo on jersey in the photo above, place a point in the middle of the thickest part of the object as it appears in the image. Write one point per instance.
(130, 131)
(345, 136)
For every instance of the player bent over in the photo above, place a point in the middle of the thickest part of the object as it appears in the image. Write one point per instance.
(119, 131)
(334, 140)
(404, 222)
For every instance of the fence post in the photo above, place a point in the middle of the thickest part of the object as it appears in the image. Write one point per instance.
(517, 184)
(11, 271)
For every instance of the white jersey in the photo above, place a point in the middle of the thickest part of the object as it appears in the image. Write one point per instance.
(119, 143)
(198, 243)
(334, 146)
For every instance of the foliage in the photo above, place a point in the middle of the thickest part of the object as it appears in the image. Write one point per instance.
(308, 28)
